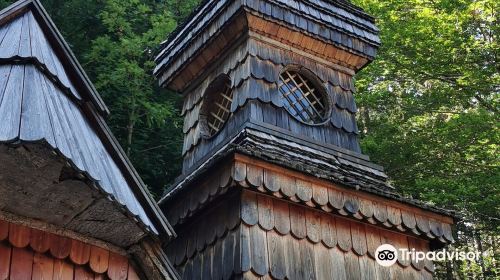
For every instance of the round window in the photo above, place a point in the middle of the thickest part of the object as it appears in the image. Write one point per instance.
(303, 96)
(216, 107)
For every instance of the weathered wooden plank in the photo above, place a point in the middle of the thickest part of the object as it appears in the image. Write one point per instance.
(266, 215)
(372, 240)
(366, 208)
(62, 270)
(380, 212)
(320, 194)
(206, 271)
(255, 175)
(237, 251)
(234, 213)
(239, 171)
(307, 259)
(336, 199)
(5, 257)
(221, 220)
(277, 257)
(39, 241)
(383, 272)
(61, 127)
(81, 273)
(3, 31)
(259, 251)
(191, 241)
(367, 268)
(298, 221)
(422, 223)
(328, 231)
(304, 190)
(398, 272)
(186, 247)
(118, 267)
(281, 212)
(19, 236)
(337, 261)
(351, 204)
(249, 208)
(359, 242)
(408, 219)
(80, 252)
(294, 268)
(313, 226)
(352, 267)
(246, 249)
(201, 234)
(10, 43)
(275, 182)
(35, 121)
(99, 259)
(322, 262)
(225, 177)
(229, 256)
(288, 187)
(21, 264)
(343, 234)
(43, 267)
(60, 247)
(394, 215)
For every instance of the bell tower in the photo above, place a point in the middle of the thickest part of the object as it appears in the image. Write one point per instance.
(274, 184)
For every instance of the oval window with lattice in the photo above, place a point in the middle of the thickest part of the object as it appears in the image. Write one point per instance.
(303, 96)
(216, 107)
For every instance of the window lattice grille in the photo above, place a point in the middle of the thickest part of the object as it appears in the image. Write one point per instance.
(220, 109)
(301, 98)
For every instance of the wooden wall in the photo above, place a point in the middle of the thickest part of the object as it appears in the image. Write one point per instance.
(313, 26)
(277, 240)
(255, 220)
(254, 67)
(27, 253)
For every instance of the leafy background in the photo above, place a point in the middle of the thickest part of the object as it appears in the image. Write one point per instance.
(428, 104)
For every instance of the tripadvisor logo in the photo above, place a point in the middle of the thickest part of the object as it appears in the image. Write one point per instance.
(387, 255)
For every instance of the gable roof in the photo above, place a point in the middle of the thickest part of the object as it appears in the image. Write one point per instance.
(46, 97)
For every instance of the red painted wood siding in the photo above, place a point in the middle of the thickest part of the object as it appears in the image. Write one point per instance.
(27, 253)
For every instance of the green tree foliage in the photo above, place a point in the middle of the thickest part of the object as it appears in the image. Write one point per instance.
(120, 60)
(429, 112)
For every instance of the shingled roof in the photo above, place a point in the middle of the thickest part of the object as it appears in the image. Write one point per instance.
(45, 97)
(335, 22)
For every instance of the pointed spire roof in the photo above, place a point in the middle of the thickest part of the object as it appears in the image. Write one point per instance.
(45, 97)
(28, 33)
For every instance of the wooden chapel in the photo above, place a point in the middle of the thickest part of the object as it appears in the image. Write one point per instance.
(71, 204)
(274, 184)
